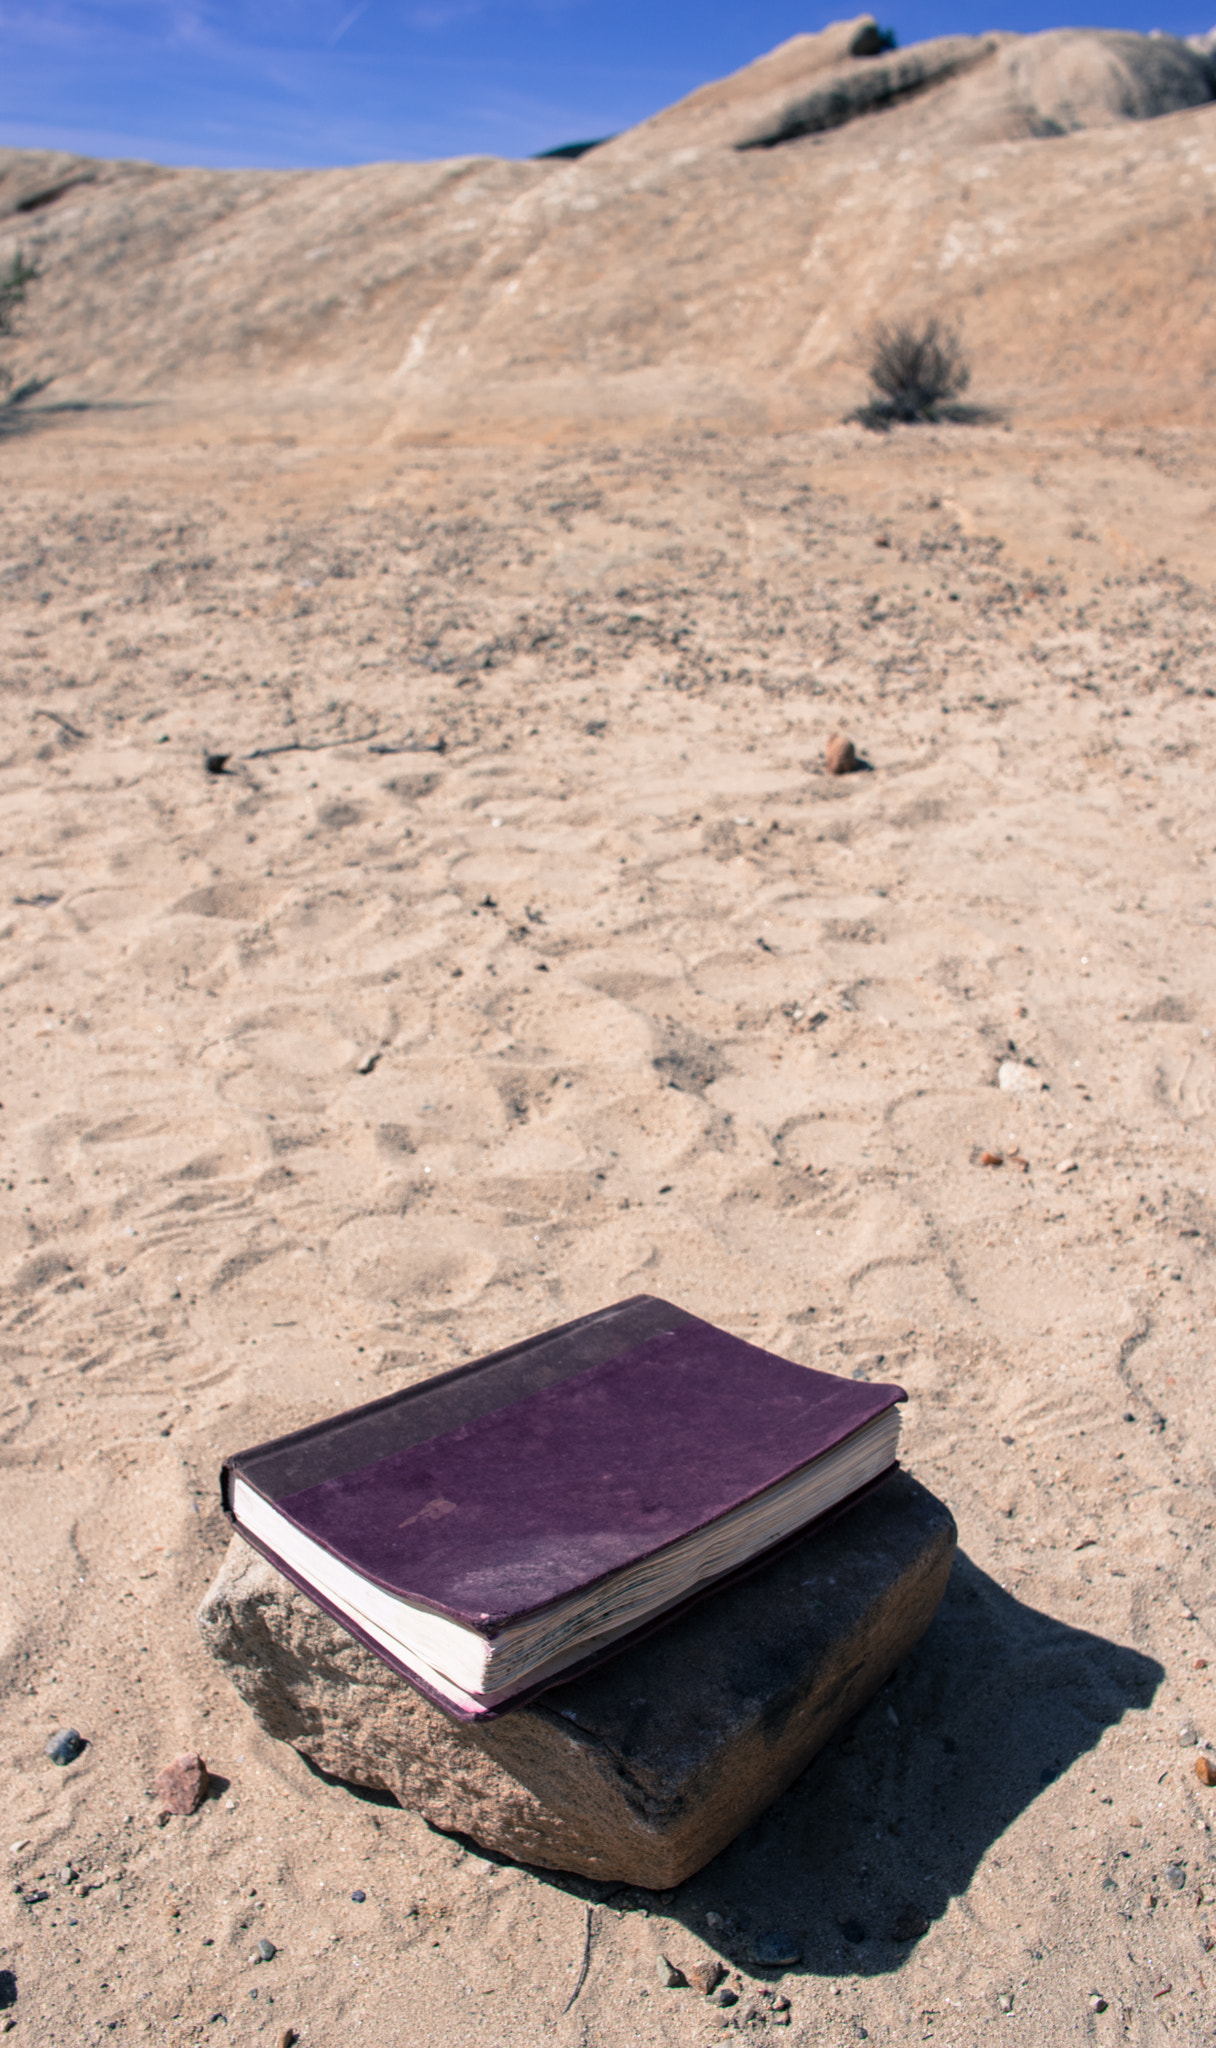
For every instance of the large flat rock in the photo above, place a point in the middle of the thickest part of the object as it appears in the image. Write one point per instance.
(644, 1769)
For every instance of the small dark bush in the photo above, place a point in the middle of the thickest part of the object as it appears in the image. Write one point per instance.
(12, 289)
(915, 368)
(13, 282)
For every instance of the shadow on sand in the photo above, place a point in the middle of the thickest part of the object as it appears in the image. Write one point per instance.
(889, 1822)
(19, 414)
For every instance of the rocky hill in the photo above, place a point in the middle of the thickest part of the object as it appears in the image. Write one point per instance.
(1054, 195)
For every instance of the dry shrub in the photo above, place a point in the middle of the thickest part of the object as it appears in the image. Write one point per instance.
(915, 367)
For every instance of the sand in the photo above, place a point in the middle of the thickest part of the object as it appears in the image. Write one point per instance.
(524, 956)
(347, 1064)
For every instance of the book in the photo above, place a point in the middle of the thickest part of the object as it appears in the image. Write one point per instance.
(512, 1521)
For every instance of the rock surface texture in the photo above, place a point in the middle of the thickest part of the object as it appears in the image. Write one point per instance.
(715, 263)
(643, 1770)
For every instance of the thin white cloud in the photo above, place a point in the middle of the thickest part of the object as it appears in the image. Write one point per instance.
(348, 21)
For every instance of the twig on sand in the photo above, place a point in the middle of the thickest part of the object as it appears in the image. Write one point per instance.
(581, 1979)
(310, 746)
(73, 730)
(439, 746)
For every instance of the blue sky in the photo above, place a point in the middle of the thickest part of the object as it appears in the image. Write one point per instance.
(290, 82)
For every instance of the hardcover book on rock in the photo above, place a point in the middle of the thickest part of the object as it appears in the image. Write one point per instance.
(506, 1524)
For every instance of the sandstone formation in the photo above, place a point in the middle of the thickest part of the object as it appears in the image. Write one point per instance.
(642, 1770)
(717, 264)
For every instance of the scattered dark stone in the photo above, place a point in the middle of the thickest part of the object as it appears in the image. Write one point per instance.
(910, 1924)
(1175, 1876)
(853, 1931)
(774, 1951)
(266, 1950)
(289, 2038)
(65, 1746)
(840, 755)
(705, 1975)
(669, 1976)
(726, 1996)
(215, 764)
(358, 1897)
(182, 1785)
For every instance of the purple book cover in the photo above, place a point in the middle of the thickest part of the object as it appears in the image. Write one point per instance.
(555, 1485)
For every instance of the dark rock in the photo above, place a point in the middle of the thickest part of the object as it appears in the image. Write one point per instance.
(181, 1786)
(358, 1897)
(215, 764)
(8, 1989)
(669, 1976)
(726, 1996)
(773, 1951)
(266, 1951)
(65, 1746)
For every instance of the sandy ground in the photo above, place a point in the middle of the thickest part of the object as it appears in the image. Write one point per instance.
(523, 958)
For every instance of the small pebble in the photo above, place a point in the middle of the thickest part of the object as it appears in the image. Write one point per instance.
(726, 1996)
(1175, 1876)
(1205, 1770)
(840, 755)
(669, 1977)
(705, 1974)
(1096, 2002)
(1005, 2002)
(181, 1786)
(289, 2038)
(1016, 1078)
(67, 1874)
(1200, 1664)
(266, 1950)
(1067, 1166)
(215, 764)
(1188, 1735)
(65, 1746)
(992, 1159)
(774, 1951)
(910, 1925)
(358, 1897)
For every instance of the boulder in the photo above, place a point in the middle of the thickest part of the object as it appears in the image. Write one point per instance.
(642, 1770)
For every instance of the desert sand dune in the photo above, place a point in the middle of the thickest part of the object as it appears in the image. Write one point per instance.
(523, 956)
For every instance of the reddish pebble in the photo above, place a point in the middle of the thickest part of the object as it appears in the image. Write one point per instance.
(1200, 1664)
(182, 1786)
(992, 1159)
(705, 1975)
(1205, 1770)
(840, 755)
